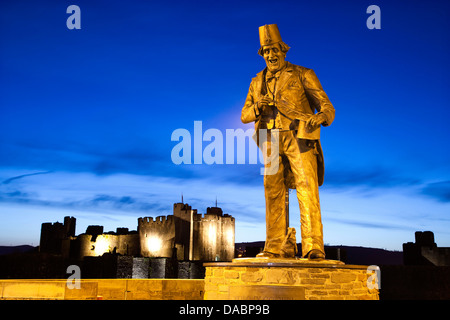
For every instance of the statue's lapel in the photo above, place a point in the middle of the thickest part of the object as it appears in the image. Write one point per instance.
(259, 88)
(285, 77)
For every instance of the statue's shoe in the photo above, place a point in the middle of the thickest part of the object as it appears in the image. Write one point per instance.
(315, 255)
(266, 254)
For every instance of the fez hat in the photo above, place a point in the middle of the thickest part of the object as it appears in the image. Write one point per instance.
(268, 35)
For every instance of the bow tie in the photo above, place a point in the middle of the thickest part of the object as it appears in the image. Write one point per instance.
(270, 75)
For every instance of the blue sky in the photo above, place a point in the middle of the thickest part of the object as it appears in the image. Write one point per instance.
(86, 116)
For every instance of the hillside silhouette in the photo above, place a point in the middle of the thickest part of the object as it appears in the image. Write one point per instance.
(347, 254)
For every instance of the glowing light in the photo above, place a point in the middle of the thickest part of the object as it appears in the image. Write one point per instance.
(230, 236)
(212, 234)
(101, 246)
(154, 244)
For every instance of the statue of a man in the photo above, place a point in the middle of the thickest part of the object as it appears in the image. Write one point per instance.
(289, 100)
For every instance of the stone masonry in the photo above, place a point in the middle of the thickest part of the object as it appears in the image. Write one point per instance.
(307, 282)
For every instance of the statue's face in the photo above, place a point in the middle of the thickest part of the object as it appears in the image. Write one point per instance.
(275, 58)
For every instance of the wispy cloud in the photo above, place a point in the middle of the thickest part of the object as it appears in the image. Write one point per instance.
(9, 180)
(369, 224)
(438, 190)
(137, 195)
(367, 177)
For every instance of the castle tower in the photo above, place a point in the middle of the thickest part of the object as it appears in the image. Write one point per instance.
(69, 226)
(156, 237)
(184, 230)
(55, 236)
(214, 236)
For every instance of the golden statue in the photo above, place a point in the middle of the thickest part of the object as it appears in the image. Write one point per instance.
(283, 99)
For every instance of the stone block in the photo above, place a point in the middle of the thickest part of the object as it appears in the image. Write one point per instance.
(160, 268)
(124, 267)
(223, 288)
(184, 270)
(347, 286)
(218, 272)
(332, 286)
(319, 281)
(140, 268)
(229, 274)
(320, 275)
(318, 292)
(217, 280)
(253, 276)
(342, 277)
(361, 291)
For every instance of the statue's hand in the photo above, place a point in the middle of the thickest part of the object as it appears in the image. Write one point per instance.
(264, 105)
(316, 120)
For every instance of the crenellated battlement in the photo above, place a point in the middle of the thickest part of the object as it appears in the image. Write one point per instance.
(147, 221)
(49, 224)
(213, 217)
(228, 218)
(144, 220)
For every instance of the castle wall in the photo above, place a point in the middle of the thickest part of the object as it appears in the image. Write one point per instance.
(124, 244)
(228, 236)
(157, 237)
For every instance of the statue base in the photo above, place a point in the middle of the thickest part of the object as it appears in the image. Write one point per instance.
(285, 261)
(288, 279)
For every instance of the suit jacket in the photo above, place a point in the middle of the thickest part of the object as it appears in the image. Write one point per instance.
(298, 96)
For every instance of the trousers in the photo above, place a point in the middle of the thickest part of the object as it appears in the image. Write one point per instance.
(301, 156)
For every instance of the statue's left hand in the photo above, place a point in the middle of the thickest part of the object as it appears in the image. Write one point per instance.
(316, 120)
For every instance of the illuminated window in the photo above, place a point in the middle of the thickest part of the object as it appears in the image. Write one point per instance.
(101, 246)
(154, 244)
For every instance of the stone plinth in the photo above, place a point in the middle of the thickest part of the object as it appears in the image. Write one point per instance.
(288, 279)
